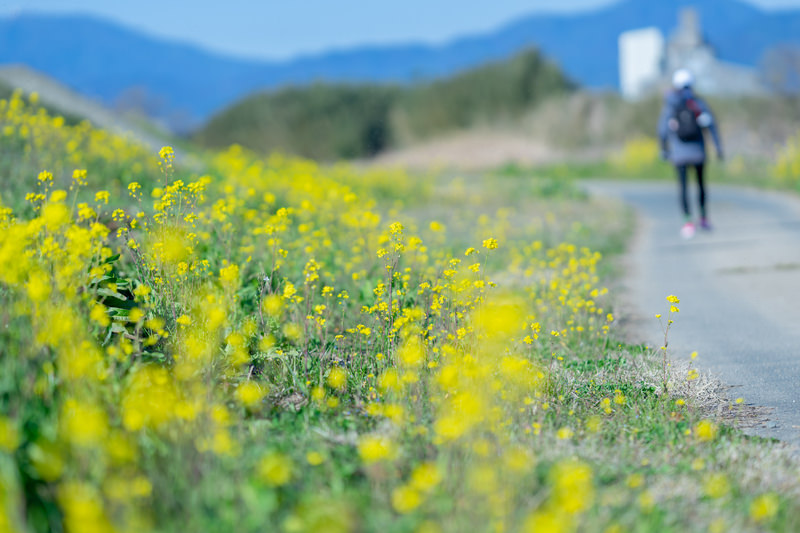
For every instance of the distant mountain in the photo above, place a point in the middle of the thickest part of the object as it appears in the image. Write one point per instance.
(185, 84)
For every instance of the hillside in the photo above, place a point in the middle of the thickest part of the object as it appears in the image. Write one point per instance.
(75, 107)
(184, 85)
(346, 121)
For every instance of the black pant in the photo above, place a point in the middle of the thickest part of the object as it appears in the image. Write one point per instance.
(682, 176)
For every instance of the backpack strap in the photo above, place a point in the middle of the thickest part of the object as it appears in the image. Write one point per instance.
(694, 107)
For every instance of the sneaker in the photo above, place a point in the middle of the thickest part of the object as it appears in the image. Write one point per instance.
(687, 231)
(704, 224)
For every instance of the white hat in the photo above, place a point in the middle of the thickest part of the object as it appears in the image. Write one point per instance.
(682, 78)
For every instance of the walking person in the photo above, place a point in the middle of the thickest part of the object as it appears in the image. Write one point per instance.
(683, 119)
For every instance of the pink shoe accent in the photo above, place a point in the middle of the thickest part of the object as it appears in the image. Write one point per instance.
(687, 231)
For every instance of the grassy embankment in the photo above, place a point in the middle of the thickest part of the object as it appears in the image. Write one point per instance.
(276, 345)
(329, 122)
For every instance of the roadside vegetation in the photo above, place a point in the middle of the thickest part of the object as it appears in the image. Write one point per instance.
(640, 159)
(270, 344)
(759, 136)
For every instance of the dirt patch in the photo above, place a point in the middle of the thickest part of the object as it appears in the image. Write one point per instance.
(472, 150)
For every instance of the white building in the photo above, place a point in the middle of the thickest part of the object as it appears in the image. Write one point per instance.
(646, 62)
(641, 61)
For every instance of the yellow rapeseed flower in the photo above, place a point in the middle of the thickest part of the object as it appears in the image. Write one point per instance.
(83, 423)
(389, 381)
(249, 394)
(337, 378)
(101, 197)
(716, 485)
(38, 286)
(411, 354)
(142, 291)
(79, 177)
(293, 332)
(272, 305)
(99, 314)
(405, 499)
(374, 448)
(58, 195)
(619, 398)
(229, 275)
(490, 244)
(425, 477)
(121, 489)
(134, 189)
(166, 153)
(573, 489)
(764, 507)
(548, 520)
(706, 430)
(646, 501)
(315, 458)
(83, 507)
(9, 435)
(55, 215)
(275, 469)
(565, 433)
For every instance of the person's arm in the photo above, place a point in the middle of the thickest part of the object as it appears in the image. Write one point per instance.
(710, 122)
(663, 130)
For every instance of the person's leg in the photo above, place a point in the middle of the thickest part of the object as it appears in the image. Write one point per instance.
(687, 231)
(702, 195)
(684, 199)
(699, 169)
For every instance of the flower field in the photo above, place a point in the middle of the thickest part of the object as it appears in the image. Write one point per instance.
(272, 345)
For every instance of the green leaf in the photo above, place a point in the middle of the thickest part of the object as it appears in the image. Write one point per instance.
(108, 293)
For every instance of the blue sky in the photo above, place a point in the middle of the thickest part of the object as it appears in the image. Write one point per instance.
(277, 29)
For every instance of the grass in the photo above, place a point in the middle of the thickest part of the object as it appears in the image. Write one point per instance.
(271, 343)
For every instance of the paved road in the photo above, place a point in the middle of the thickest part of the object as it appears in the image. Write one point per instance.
(739, 287)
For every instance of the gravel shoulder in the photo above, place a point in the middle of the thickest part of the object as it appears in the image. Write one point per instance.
(739, 287)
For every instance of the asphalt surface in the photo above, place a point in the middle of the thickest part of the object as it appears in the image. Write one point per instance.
(739, 287)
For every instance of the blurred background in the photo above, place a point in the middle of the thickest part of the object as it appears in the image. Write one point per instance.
(413, 83)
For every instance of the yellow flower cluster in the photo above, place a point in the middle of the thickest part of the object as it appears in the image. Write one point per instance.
(787, 166)
(636, 156)
(165, 328)
(110, 308)
(61, 153)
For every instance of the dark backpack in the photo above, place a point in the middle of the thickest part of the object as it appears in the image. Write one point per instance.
(685, 115)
